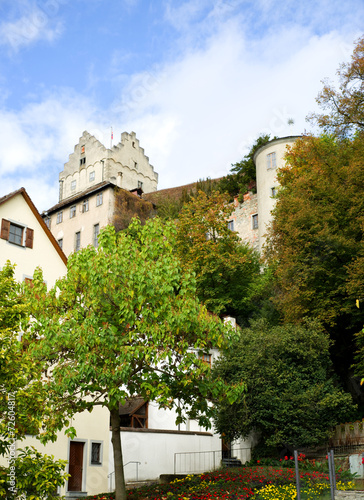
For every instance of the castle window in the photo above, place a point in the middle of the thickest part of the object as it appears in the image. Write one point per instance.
(99, 199)
(273, 192)
(82, 160)
(96, 235)
(271, 161)
(231, 225)
(73, 185)
(77, 241)
(92, 176)
(47, 221)
(140, 184)
(85, 206)
(59, 217)
(82, 149)
(136, 165)
(255, 221)
(60, 243)
(73, 211)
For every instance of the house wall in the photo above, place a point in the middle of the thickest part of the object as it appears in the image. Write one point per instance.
(83, 222)
(90, 427)
(125, 165)
(43, 253)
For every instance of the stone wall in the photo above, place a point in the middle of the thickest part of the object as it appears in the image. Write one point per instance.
(242, 217)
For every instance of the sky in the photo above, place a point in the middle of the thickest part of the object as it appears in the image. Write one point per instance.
(198, 81)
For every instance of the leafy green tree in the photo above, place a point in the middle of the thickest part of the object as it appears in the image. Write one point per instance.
(226, 269)
(16, 367)
(316, 239)
(37, 476)
(125, 321)
(345, 110)
(291, 398)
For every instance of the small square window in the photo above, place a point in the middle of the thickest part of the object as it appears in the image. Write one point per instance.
(271, 161)
(255, 221)
(16, 234)
(231, 225)
(73, 211)
(92, 176)
(82, 149)
(273, 192)
(59, 217)
(73, 185)
(99, 199)
(85, 206)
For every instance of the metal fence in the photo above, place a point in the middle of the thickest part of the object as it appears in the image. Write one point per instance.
(201, 461)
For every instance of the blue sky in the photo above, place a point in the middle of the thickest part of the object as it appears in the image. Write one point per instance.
(197, 81)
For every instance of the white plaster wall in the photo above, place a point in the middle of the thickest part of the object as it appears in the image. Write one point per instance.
(267, 179)
(43, 254)
(83, 222)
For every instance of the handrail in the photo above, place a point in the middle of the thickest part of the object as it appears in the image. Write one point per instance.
(124, 465)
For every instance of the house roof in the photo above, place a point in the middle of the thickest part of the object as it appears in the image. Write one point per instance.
(131, 406)
(37, 215)
(79, 196)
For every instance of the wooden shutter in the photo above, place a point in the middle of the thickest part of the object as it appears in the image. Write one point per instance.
(5, 228)
(29, 238)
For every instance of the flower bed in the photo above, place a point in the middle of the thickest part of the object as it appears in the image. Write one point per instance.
(255, 483)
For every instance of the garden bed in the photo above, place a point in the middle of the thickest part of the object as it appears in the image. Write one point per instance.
(254, 483)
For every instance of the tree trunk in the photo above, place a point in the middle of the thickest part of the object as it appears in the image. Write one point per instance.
(120, 490)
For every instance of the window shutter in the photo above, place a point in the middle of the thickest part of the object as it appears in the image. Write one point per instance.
(5, 228)
(29, 238)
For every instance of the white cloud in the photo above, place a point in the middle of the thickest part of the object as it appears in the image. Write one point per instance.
(37, 24)
(36, 141)
(204, 111)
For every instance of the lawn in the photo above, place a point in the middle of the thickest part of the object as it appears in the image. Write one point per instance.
(253, 483)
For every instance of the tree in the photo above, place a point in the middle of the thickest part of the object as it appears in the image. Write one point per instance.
(17, 369)
(316, 238)
(125, 321)
(226, 269)
(36, 476)
(291, 398)
(345, 106)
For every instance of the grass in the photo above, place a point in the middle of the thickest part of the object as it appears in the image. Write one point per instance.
(253, 483)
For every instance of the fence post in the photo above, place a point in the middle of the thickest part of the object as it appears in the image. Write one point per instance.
(330, 476)
(333, 469)
(298, 487)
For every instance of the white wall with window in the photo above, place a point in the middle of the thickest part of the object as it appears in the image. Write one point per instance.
(268, 160)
